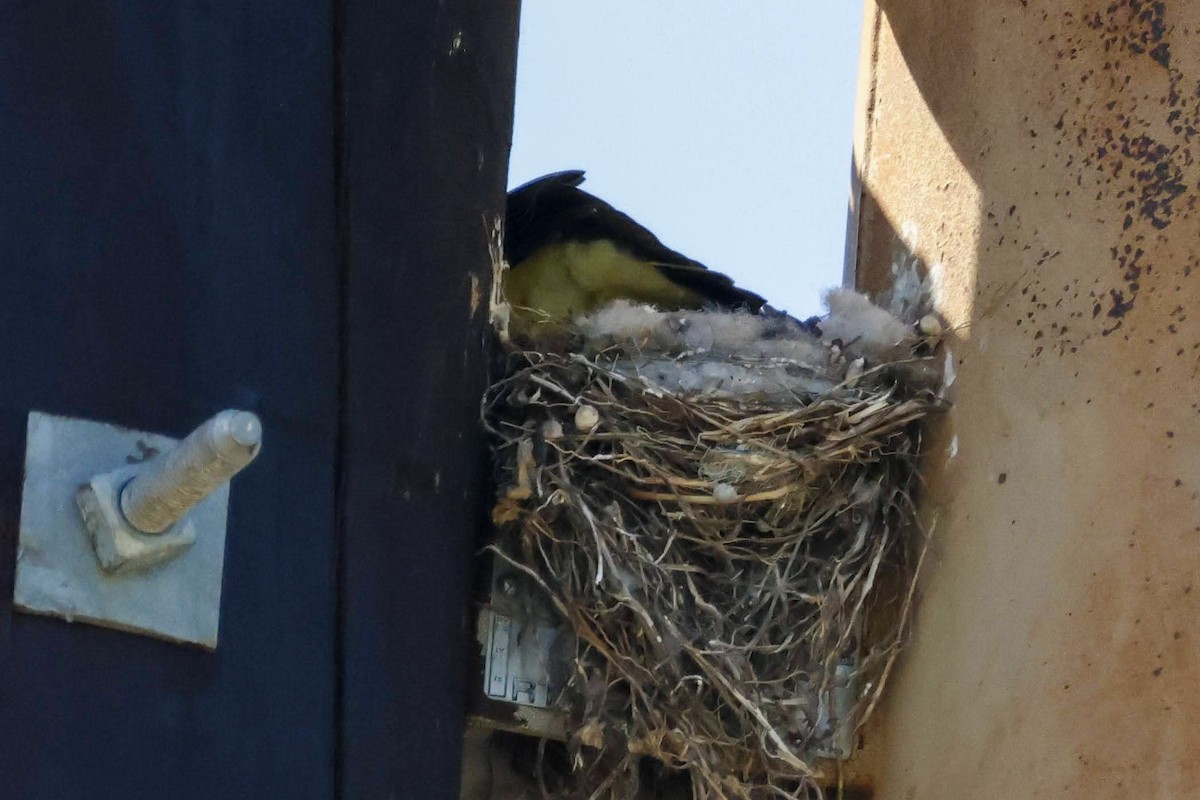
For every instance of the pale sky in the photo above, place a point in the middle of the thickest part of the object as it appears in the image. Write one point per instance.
(724, 126)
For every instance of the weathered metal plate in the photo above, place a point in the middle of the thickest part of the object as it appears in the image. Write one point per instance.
(527, 645)
(57, 571)
(521, 661)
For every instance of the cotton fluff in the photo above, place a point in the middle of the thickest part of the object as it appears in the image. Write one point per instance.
(863, 328)
(737, 354)
(721, 333)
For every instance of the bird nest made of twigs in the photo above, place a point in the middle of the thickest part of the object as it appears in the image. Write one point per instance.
(736, 569)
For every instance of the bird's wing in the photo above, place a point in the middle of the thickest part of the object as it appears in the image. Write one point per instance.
(553, 209)
(715, 286)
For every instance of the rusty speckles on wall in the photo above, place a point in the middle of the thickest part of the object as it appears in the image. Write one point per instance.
(1124, 134)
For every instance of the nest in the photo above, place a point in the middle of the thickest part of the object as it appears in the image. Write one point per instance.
(736, 568)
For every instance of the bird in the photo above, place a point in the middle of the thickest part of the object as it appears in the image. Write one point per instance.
(571, 253)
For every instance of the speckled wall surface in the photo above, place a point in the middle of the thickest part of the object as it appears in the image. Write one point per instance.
(1040, 157)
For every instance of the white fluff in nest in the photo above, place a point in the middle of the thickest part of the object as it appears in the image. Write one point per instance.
(622, 321)
(721, 333)
(711, 353)
(862, 326)
(733, 353)
(700, 377)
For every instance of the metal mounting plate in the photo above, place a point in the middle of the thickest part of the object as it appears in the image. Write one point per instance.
(57, 570)
(527, 645)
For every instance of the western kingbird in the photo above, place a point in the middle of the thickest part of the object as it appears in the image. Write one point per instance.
(570, 253)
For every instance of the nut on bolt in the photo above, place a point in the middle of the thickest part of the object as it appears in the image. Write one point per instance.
(136, 516)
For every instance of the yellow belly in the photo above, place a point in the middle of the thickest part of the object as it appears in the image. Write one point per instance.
(561, 281)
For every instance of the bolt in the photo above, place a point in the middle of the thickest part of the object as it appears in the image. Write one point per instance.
(172, 483)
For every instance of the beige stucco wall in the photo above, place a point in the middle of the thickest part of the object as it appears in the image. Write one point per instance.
(1040, 155)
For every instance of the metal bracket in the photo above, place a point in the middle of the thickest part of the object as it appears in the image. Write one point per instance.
(527, 646)
(126, 529)
(837, 713)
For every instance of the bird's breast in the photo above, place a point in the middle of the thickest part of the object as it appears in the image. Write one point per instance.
(565, 279)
